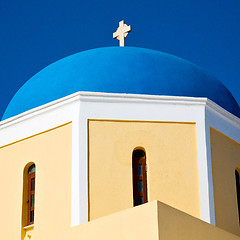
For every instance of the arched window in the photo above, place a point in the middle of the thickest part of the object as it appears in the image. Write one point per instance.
(139, 177)
(31, 194)
(238, 191)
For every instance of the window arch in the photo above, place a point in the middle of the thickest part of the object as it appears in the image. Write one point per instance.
(31, 194)
(28, 194)
(238, 191)
(139, 177)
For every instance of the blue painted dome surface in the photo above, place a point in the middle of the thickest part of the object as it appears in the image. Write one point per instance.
(120, 70)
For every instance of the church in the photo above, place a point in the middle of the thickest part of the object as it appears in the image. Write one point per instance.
(120, 143)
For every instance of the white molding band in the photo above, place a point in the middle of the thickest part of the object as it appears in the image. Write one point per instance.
(81, 106)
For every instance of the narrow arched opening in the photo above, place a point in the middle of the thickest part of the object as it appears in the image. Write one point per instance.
(238, 191)
(139, 170)
(31, 194)
(28, 202)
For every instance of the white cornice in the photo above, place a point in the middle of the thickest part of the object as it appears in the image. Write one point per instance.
(224, 113)
(116, 97)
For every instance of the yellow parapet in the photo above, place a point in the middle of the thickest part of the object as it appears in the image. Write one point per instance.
(152, 221)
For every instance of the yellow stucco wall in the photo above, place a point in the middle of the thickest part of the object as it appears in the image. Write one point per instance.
(51, 152)
(225, 155)
(171, 153)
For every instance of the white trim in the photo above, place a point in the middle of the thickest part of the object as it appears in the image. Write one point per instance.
(81, 106)
(115, 97)
(223, 123)
(203, 173)
(28, 226)
(209, 175)
(109, 97)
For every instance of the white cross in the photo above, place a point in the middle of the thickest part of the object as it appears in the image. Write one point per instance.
(122, 33)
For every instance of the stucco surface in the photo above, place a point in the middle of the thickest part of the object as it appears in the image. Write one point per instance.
(225, 154)
(51, 152)
(172, 169)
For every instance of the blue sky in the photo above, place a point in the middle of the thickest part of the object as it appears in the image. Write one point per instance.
(34, 34)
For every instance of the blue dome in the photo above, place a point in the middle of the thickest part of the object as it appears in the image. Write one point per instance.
(120, 70)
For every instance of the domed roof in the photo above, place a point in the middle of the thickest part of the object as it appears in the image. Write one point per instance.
(120, 70)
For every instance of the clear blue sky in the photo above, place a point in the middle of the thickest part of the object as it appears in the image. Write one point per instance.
(34, 34)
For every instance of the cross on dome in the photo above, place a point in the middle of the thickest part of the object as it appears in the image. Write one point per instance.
(122, 33)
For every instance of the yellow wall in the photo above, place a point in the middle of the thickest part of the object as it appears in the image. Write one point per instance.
(171, 154)
(51, 152)
(225, 154)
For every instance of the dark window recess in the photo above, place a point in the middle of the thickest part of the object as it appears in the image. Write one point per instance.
(32, 216)
(139, 177)
(32, 184)
(31, 194)
(238, 192)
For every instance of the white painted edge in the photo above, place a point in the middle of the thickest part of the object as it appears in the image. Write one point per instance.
(208, 163)
(28, 226)
(205, 207)
(121, 97)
